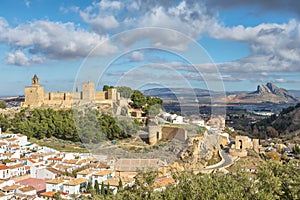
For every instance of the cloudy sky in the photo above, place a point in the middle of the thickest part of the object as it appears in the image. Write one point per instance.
(149, 43)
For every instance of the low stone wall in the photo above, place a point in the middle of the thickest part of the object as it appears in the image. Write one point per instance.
(169, 133)
(238, 152)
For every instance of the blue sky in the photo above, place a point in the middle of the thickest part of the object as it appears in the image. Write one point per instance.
(194, 43)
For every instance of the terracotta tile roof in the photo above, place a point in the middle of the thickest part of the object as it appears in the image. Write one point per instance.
(2, 194)
(85, 172)
(112, 182)
(82, 161)
(32, 161)
(3, 143)
(163, 181)
(76, 181)
(103, 165)
(48, 194)
(12, 187)
(71, 161)
(26, 189)
(55, 181)
(20, 135)
(14, 145)
(8, 154)
(3, 167)
(16, 166)
(103, 173)
(27, 167)
(58, 159)
(54, 171)
(61, 166)
(11, 139)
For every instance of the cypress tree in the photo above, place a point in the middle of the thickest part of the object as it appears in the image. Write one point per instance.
(96, 186)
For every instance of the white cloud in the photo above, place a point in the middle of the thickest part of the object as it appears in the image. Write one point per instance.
(19, 58)
(104, 4)
(136, 56)
(55, 40)
(100, 24)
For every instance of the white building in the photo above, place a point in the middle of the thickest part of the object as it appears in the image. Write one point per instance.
(102, 176)
(17, 170)
(4, 172)
(74, 186)
(54, 185)
(47, 173)
(27, 190)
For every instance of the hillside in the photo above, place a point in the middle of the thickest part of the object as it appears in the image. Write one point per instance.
(286, 125)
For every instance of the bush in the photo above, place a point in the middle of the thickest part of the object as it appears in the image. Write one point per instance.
(2, 104)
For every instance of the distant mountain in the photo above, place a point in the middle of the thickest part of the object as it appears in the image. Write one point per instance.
(265, 93)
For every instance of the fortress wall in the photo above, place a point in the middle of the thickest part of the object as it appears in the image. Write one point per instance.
(100, 96)
(112, 94)
(76, 95)
(54, 96)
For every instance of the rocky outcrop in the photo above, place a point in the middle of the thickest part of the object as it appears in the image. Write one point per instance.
(265, 93)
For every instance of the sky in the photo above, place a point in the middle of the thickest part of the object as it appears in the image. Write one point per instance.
(228, 45)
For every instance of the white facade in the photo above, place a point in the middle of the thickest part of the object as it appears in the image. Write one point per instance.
(102, 176)
(26, 192)
(54, 187)
(22, 139)
(178, 120)
(4, 172)
(44, 173)
(71, 189)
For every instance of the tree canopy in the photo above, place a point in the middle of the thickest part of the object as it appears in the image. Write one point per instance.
(89, 126)
(106, 87)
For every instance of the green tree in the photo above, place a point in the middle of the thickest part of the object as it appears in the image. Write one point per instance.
(2, 104)
(102, 188)
(96, 186)
(120, 186)
(106, 87)
(4, 123)
(57, 196)
(138, 99)
(296, 149)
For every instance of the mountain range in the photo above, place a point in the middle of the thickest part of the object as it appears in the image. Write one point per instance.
(264, 93)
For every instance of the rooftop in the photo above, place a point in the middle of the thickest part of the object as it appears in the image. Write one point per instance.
(76, 181)
(103, 173)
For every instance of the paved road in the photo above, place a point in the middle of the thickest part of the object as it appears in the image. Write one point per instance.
(227, 161)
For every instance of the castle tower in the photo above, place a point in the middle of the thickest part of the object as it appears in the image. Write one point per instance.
(34, 94)
(256, 145)
(112, 94)
(154, 134)
(35, 81)
(88, 91)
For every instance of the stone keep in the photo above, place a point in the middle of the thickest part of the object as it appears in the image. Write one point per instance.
(34, 94)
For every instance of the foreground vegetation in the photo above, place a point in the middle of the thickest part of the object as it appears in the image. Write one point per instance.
(88, 126)
(272, 180)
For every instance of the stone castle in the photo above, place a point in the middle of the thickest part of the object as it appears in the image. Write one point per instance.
(35, 96)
